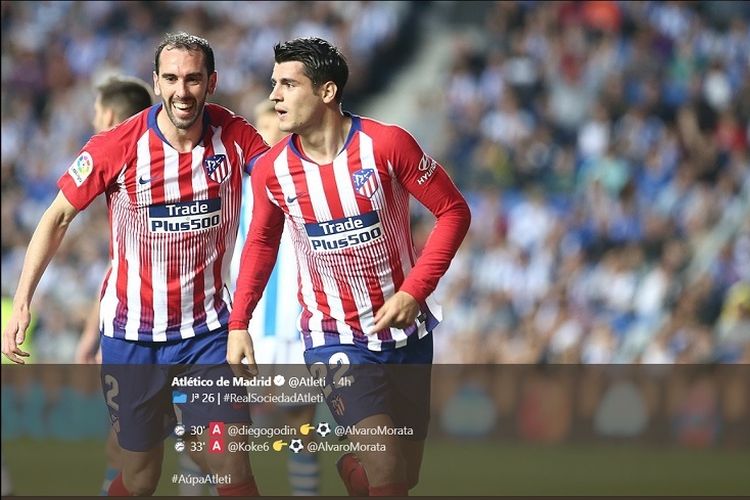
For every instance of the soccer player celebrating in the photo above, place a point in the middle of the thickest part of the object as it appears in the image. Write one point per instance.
(117, 99)
(342, 183)
(172, 176)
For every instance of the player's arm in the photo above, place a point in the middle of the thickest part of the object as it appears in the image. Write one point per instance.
(256, 264)
(87, 351)
(43, 246)
(252, 143)
(428, 182)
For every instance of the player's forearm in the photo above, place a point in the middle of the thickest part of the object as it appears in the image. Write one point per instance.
(258, 255)
(256, 265)
(43, 246)
(88, 343)
(91, 327)
(452, 224)
(257, 260)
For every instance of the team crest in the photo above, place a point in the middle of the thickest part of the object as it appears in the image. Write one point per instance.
(365, 182)
(217, 167)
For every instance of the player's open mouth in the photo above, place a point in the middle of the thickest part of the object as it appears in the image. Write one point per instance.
(183, 107)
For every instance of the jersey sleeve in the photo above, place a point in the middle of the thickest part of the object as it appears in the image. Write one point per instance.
(251, 143)
(91, 173)
(428, 182)
(260, 250)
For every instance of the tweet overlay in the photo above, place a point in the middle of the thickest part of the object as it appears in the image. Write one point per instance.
(550, 430)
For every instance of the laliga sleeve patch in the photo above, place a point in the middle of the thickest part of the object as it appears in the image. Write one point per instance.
(81, 168)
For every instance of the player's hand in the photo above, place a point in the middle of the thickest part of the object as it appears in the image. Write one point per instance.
(15, 334)
(240, 354)
(400, 311)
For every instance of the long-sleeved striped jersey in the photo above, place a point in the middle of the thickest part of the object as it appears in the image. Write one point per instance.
(349, 222)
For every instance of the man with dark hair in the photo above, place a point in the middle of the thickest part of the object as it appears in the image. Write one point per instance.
(117, 99)
(342, 183)
(172, 175)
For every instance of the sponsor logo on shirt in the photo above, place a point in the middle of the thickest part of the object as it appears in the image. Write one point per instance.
(426, 167)
(184, 217)
(346, 232)
(81, 168)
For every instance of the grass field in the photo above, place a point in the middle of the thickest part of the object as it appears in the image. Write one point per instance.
(460, 468)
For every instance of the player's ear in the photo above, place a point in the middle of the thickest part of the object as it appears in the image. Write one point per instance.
(156, 83)
(213, 79)
(109, 118)
(328, 92)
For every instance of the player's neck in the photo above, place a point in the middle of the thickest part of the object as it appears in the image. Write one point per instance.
(323, 143)
(181, 140)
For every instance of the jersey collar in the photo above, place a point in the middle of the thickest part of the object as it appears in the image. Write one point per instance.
(356, 127)
(154, 111)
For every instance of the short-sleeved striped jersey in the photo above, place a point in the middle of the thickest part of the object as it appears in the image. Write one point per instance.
(173, 221)
(349, 223)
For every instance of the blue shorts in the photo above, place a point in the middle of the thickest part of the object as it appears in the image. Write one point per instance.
(360, 383)
(143, 405)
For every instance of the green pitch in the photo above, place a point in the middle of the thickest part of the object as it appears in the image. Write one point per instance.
(460, 468)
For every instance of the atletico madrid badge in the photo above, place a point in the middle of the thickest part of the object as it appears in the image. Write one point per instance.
(365, 182)
(217, 167)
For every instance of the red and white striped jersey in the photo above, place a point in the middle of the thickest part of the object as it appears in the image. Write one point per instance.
(173, 222)
(349, 222)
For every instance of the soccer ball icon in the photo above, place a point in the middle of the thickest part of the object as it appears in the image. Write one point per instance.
(296, 445)
(323, 429)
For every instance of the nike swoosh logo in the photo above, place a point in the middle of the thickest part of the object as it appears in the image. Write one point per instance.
(142, 181)
(290, 199)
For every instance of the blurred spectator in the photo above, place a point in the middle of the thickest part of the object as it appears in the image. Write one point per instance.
(615, 137)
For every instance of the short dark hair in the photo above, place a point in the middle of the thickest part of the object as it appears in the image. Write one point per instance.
(323, 62)
(186, 41)
(125, 95)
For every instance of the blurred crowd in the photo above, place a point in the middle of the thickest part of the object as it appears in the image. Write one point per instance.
(603, 147)
(53, 55)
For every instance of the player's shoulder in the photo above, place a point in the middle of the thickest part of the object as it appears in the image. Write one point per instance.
(122, 137)
(381, 130)
(388, 139)
(267, 159)
(135, 126)
(224, 117)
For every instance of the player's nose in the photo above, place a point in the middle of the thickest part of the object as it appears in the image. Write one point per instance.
(181, 89)
(275, 96)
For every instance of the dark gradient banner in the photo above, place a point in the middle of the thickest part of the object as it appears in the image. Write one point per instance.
(487, 429)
